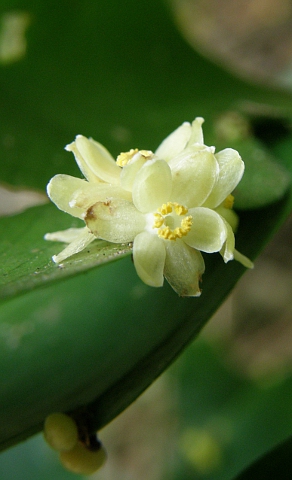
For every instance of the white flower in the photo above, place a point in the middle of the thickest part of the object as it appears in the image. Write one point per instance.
(172, 204)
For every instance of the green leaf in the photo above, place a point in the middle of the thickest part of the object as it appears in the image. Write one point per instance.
(25, 256)
(275, 464)
(240, 417)
(265, 181)
(90, 70)
(91, 343)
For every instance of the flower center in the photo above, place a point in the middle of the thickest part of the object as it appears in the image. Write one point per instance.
(166, 218)
(125, 157)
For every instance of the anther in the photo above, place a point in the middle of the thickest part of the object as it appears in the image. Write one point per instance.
(125, 157)
(186, 224)
(166, 232)
(165, 208)
(180, 209)
(147, 154)
(159, 220)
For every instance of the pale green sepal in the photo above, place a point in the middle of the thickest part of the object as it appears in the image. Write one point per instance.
(194, 174)
(208, 231)
(84, 238)
(184, 267)
(175, 143)
(149, 258)
(152, 186)
(231, 171)
(115, 220)
(98, 159)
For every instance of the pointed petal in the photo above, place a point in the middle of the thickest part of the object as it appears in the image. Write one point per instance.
(175, 142)
(208, 231)
(197, 136)
(115, 220)
(194, 174)
(80, 242)
(149, 258)
(152, 186)
(231, 170)
(184, 267)
(65, 236)
(94, 160)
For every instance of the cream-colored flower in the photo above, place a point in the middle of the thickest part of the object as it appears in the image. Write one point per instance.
(172, 204)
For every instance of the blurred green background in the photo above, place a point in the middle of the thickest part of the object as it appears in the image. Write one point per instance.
(123, 73)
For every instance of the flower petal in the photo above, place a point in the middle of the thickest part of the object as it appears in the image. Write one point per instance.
(197, 136)
(152, 186)
(175, 142)
(60, 190)
(184, 267)
(227, 250)
(84, 238)
(129, 171)
(149, 258)
(194, 174)
(95, 162)
(116, 220)
(82, 163)
(229, 215)
(87, 197)
(65, 236)
(231, 170)
(75, 196)
(208, 231)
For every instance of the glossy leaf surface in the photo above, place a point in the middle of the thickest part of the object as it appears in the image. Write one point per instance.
(92, 342)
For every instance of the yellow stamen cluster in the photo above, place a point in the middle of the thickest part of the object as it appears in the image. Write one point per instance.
(124, 158)
(169, 206)
(159, 220)
(166, 232)
(178, 232)
(228, 202)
